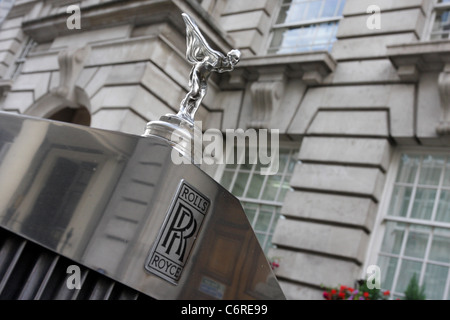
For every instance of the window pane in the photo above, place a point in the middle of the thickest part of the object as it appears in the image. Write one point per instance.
(423, 203)
(416, 244)
(231, 164)
(268, 244)
(431, 170)
(292, 13)
(250, 159)
(313, 10)
(443, 211)
(284, 158)
(324, 33)
(285, 187)
(292, 163)
(423, 250)
(298, 26)
(250, 210)
(283, 11)
(330, 8)
(440, 247)
(277, 39)
(441, 26)
(447, 174)
(408, 269)
(261, 238)
(227, 177)
(400, 201)
(341, 8)
(434, 281)
(271, 188)
(255, 186)
(264, 217)
(393, 237)
(239, 184)
(388, 266)
(286, 39)
(408, 168)
(275, 220)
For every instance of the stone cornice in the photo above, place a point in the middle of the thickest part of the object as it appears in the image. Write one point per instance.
(268, 76)
(120, 12)
(431, 56)
(311, 67)
(295, 65)
(423, 56)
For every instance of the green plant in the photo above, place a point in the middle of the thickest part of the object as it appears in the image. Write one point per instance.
(414, 291)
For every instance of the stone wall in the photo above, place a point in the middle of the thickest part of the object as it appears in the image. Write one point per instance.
(377, 89)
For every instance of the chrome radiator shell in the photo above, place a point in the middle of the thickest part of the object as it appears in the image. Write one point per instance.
(99, 199)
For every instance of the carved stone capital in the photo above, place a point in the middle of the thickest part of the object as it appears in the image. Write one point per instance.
(443, 128)
(71, 62)
(5, 86)
(266, 98)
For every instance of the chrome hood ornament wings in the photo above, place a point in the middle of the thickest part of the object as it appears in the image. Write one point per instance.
(180, 129)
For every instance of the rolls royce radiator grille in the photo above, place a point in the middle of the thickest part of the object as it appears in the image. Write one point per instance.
(87, 213)
(31, 272)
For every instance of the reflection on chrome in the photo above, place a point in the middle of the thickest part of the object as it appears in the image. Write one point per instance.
(101, 198)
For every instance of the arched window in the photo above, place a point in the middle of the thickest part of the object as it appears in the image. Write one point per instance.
(72, 115)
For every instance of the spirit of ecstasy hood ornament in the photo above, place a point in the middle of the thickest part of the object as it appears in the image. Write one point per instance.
(179, 128)
(205, 61)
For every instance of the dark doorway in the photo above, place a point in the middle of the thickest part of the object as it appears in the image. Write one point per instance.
(78, 116)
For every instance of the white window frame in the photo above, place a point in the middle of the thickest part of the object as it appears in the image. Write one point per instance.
(5, 8)
(300, 23)
(16, 67)
(295, 148)
(382, 217)
(436, 7)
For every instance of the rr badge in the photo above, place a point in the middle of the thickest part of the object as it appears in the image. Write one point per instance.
(178, 233)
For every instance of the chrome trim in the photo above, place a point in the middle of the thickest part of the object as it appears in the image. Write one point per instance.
(100, 198)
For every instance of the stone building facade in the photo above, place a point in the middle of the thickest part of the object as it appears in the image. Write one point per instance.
(358, 89)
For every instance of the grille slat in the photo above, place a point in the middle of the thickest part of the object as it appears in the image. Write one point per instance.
(29, 271)
(10, 265)
(36, 276)
(46, 279)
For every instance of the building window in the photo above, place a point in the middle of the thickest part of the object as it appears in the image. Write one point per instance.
(5, 7)
(20, 61)
(261, 195)
(441, 20)
(306, 25)
(417, 227)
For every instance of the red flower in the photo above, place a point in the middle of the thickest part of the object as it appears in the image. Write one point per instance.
(350, 289)
(341, 295)
(343, 288)
(386, 293)
(333, 291)
(326, 295)
(366, 294)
